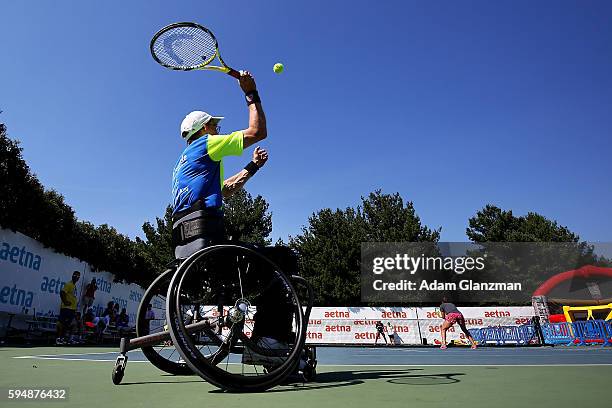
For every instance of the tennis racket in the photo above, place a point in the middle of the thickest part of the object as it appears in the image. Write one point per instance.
(188, 46)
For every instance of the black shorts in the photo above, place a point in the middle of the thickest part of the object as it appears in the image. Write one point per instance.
(66, 316)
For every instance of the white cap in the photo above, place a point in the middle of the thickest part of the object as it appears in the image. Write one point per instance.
(195, 121)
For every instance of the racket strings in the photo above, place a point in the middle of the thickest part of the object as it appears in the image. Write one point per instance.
(185, 47)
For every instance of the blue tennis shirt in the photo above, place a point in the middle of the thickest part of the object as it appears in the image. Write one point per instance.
(198, 173)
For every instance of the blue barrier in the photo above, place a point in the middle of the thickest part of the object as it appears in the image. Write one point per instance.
(500, 335)
(587, 332)
(608, 333)
(591, 332)
(476, 335)
(579, 333)
(527, 333)
(558, 333)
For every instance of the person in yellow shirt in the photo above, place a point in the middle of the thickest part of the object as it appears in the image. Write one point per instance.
(68, 306)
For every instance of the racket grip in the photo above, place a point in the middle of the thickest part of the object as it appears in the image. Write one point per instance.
(234, 73)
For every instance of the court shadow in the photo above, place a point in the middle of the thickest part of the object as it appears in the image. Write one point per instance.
(296, 386)
(159, 382)
(337, 376)
(336, 379)
(405, 376)
(427, 379)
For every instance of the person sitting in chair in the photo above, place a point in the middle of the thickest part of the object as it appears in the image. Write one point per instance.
(123, 321)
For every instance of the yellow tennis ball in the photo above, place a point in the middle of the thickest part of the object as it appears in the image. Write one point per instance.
(278, 68)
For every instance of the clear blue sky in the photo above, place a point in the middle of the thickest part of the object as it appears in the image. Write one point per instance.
(452, 104)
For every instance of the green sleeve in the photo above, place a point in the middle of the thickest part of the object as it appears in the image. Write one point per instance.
(220, 146)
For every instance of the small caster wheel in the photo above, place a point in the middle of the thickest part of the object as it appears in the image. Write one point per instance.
(119, 369)
(117, 374)
(309, 373)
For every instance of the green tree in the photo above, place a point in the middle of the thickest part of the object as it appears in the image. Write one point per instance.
(492, 224)
(157, 247)
(329, 248)
(527, 249)
(247, 219)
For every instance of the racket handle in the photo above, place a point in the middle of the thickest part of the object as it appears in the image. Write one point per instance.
(234, 73)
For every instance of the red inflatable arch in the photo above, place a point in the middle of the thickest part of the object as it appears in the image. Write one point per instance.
(584, 272)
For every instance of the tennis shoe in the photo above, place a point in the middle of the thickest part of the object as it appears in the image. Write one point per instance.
(275, 353)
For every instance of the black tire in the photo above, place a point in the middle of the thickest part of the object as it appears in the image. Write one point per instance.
(117, 374)
(217, 261)
(168, 360)
(309, 373)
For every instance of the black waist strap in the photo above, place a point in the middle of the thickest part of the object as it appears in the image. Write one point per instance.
(197, 206)
(198, 224)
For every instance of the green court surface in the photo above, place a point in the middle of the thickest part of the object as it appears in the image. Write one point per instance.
(541, 377)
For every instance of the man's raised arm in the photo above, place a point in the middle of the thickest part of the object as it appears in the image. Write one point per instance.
(257, 130)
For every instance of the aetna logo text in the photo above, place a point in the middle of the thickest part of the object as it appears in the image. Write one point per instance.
(20, 256)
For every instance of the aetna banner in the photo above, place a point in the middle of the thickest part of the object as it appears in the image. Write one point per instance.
(32, 276)
(400, 325)
(407, 325)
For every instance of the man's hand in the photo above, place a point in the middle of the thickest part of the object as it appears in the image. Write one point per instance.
(260, 156)
(247, 82)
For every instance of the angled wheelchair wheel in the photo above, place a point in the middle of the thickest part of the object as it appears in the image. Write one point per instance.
(164, 355)
(260, 332)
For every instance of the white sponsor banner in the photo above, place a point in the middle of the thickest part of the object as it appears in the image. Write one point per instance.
(357, 325)
(360, 313)
(346, 325)
(31, 277)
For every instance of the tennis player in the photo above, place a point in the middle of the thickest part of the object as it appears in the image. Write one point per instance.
(198, 186)
(452, 315)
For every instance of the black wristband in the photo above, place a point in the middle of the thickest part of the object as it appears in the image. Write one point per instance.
(251, 168)
(252, 97)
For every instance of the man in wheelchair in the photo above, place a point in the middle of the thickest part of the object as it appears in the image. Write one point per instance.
(198, 190)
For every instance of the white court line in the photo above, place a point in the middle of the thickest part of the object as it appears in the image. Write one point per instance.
(76, 359)
(68, 354)
(356, 365)
(386, 354)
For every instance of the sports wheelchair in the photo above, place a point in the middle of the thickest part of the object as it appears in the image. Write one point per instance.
(229, 314)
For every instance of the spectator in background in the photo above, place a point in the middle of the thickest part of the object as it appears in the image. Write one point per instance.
(394, 338)
(90, 294)
(123, 321)
(89, 317)
(380, 330)
(90, 321)
(105, 320)
(68, 305)
(149, 315)
(115, 315)
(76, 329)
